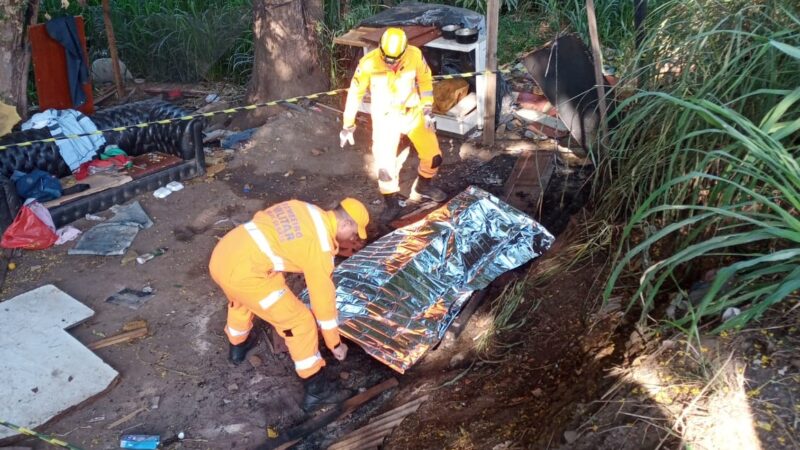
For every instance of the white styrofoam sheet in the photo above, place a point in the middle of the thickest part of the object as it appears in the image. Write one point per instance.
(45, 370)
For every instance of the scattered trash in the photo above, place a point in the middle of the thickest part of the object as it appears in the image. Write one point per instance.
(97, 419)
(171, 440)
(106, 239)
(32, 229)
(233, 387)
(12, 266)
(316, 152)
(214, 135)
(215, 169)
(140, 441)
(131, 298)
(247, 188)
(94, 218)
(272, 433)
(148, 256)
(129, 257)
(66, 234)
(155, 401)
(237, 140)
(174, 186)
(730, 313)
(162, 192)
(211, 98)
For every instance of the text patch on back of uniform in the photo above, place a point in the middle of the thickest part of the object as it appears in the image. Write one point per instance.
(285, 222)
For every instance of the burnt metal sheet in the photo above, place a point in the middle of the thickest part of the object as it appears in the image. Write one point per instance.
(397, 296)
(564, 69)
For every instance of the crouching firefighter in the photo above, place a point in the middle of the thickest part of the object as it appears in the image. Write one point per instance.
(401, 103)
(248, 264)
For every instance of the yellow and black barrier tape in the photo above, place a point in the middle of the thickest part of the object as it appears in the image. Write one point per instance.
(49, 439)
(223, 111)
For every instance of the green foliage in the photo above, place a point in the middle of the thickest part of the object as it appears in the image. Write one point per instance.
(703, 164)
(173, 40)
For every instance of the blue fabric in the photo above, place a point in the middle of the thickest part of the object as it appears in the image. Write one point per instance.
(65, 32)
(65, 122)
(38, 184)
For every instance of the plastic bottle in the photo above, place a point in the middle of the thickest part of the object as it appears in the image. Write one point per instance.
(148, 256)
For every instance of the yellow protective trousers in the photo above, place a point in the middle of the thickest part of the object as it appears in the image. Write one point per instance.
(284, 311)
(248, 265)
(386, 132)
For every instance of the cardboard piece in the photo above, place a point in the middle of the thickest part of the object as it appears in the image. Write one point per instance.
(45, 370)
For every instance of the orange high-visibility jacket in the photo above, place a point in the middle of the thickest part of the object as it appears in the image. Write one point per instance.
(296, 237)
(408, 87)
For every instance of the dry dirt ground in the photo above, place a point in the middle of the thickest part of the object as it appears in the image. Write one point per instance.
(183, 361)
(560, 372)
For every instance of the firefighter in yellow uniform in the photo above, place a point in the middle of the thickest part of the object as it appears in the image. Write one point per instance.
(401, 103)
(249, 262)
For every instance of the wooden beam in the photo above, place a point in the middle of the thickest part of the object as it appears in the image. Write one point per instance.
(597, 55)
(493, 22)
(112, 49)
(119, 338)
(296, 434)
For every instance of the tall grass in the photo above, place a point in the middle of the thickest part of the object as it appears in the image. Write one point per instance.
(703, 165)
(173, 40)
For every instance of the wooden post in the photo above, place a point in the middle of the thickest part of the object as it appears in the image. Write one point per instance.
(493, 22)
(597, 55)
(112, 48)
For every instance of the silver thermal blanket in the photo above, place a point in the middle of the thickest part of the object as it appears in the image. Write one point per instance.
(397, 296)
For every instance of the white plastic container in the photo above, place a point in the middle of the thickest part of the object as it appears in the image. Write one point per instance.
(174, 186)
(162, 192)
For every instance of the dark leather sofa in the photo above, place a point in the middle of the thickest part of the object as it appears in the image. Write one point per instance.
(179, 138)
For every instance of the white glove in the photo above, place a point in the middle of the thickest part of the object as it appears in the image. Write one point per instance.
(346, 135)
(340, 352)
(430, 119)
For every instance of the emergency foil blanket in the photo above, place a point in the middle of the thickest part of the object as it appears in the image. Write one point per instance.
(397, 296)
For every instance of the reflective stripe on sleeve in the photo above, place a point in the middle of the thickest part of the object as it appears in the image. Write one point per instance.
(328, 324)
(263, 245)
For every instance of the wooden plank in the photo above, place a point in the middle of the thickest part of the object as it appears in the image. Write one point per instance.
(50, 70)
(296, 434)
(525, 187)
(354, 38)
(97, 182)
(378, 427)
(493, 22)
(112, 48)
(119, 338)
(597, 56)
(134, 325)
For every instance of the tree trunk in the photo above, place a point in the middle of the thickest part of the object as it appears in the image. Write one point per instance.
(15, 15)
(287, 62)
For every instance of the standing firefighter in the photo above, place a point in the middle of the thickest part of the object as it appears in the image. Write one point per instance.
(248, 264)
(401, 102)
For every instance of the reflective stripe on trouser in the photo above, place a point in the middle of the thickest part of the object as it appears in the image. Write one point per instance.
(270, 299)
(386, 132)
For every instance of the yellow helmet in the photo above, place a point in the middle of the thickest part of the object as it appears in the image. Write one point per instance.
(393, 44)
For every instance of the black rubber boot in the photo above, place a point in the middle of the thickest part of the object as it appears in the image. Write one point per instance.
(238, 352)
(319, 391)
(392, 207)
(424, 189)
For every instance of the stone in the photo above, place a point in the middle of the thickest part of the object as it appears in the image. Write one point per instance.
(255, 361)
(571, 436)
(103, 72)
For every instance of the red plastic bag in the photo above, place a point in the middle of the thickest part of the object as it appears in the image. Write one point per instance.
(32, 229)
